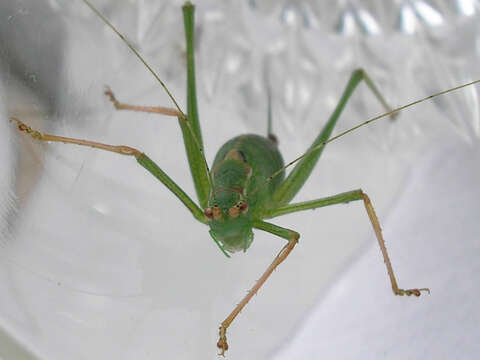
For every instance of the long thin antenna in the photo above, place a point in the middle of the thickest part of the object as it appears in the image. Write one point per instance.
(392, 112)
(109, 24)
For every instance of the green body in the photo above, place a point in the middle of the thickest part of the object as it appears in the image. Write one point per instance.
(247, 181)
(240, 167)
(257, 153)
(247, 171)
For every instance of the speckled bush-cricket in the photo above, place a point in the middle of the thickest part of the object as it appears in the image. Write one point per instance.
(246, 184)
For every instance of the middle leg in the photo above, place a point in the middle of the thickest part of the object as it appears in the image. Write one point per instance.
(198, 164)
(149, 109)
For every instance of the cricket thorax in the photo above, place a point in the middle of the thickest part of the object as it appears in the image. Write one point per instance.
(230, 180)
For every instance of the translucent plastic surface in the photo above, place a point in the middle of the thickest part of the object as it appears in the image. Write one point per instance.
(99, 260)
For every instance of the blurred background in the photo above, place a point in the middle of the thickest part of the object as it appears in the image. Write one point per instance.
(99, 260)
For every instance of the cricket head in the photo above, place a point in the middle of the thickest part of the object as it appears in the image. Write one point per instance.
(230, 223)
(228, 213)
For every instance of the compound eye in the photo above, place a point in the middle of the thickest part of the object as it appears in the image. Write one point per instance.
(217, 213)
(208, 213)
(243, 206)
(234, 211)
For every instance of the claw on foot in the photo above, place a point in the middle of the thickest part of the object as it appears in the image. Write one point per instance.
(27, 129)
(109, 93)
(409, 292)
(222, 341)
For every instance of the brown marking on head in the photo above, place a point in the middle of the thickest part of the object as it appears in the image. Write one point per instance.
(232, 189)
(234, 154)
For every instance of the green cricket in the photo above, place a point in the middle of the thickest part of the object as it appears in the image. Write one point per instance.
(246, 183)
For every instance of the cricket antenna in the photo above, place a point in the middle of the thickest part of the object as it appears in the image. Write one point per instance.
(388, 113)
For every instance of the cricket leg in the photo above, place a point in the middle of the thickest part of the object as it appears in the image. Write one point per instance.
(345, 198)
(149, 109)
(292, 238)
(192, 134)
(189, 123)
(192, 144)
(141, 158)
(198, 166)
(300, 173)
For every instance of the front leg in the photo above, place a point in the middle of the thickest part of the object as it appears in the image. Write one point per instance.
(141, 158)
(292, 238)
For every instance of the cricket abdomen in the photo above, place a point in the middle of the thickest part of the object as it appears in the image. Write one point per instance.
(242, 165)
